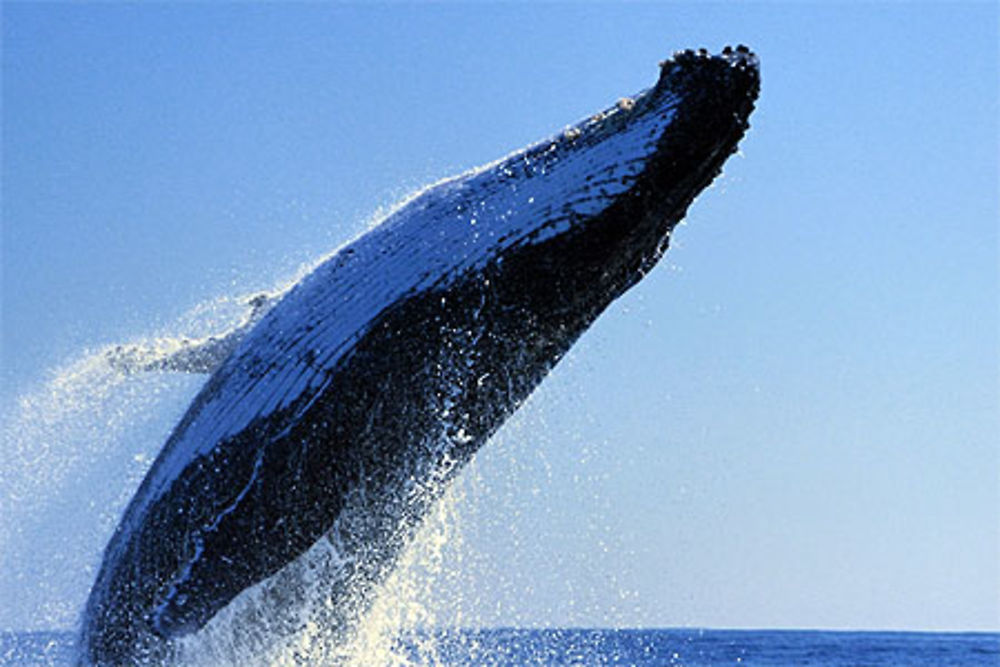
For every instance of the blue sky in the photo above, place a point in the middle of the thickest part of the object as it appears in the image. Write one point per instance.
(792, 422)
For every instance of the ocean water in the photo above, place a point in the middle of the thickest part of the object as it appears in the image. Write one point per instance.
(515, 647)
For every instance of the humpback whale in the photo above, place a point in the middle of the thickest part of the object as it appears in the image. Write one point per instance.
(342, 411)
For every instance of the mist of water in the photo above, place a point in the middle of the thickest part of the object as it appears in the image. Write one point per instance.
(77, 445)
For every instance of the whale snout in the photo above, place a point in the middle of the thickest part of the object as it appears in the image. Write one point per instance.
(740, 61)
(741, 57)
(727, 83)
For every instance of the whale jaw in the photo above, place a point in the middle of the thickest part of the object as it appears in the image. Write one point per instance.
(349, 407)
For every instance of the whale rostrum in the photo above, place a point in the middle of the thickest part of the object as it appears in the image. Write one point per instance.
(339, 412)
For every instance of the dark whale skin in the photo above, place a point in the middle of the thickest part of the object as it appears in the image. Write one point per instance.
(348, 408)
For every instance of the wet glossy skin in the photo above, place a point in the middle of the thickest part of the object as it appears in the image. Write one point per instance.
(348, 408)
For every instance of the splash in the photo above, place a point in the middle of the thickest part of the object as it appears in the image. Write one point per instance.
(299, 615)
(74, 449)
(75, 446)
(402, 606)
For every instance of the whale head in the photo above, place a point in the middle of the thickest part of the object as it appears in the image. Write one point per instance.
(573, 221)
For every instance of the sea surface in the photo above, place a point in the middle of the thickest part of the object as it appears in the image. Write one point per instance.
(515, 647)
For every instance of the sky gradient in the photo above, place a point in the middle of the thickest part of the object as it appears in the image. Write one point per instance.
(792, 422)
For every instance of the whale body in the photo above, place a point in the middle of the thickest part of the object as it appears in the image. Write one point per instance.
(343, 412)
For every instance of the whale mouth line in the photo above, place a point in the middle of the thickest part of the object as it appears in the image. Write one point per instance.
(344, 406)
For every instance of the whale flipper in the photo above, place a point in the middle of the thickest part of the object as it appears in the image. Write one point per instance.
(188, 355)
(346, 410)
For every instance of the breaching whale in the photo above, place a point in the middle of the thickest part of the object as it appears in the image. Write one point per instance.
(342, 412)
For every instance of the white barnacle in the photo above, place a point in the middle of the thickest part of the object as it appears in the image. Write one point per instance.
(626, 103)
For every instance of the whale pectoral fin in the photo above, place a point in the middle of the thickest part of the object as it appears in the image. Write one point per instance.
(189, 355)
(182, 355)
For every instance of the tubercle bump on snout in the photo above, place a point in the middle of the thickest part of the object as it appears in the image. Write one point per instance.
(730, 78)
(739, 58)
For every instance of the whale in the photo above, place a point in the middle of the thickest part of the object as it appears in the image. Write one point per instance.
(346, 406)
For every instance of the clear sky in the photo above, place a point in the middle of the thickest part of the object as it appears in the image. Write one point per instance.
(792, 422)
